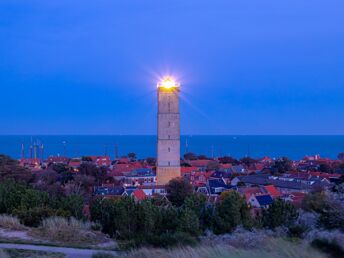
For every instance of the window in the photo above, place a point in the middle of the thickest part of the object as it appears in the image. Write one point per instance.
(169, 163)
(169, 149)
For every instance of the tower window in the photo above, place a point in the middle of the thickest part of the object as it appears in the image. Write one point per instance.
(169, 163)
(169, 149)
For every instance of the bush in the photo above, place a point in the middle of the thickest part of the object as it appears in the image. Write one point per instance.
(10, 222)
(329, 247)
(231, 211)
(297, 231)
(33, 217)
(280, 213)
(171, 239)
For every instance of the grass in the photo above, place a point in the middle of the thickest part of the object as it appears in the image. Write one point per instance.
(10, 222)
(273, 248)
(69, 231)
(19, 253)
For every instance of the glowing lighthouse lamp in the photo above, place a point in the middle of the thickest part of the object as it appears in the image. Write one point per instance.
(168, 83)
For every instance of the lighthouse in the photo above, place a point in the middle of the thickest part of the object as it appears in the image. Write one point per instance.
(168, 142)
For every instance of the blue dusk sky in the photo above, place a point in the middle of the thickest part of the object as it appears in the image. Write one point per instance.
(245, 66)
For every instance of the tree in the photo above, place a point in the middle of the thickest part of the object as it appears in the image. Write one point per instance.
(341, 156)
(248, 161)
(10, 169)
(198, 204)
(90, 169)
(132, 156)
(281, 166)
(325, 168)
(231, 211)
(213, 165)
(151, 161)
(190, 156)
(188, 222)
(228, 160)
(74, 204)
(177, 190)
(316, 202)
(280, 213)
(86, 159)
(202, 157)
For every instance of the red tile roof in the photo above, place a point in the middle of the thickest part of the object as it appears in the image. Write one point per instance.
(199, 162)
(272, 190)
(139, 194)
(187, 170)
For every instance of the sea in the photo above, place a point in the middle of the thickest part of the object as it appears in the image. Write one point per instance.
(294, 147)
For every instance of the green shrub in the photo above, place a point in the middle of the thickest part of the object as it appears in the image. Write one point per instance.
(280, 213)
(297, 231)
(33, 217)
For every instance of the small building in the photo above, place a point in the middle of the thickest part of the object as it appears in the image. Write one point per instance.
(260, 201)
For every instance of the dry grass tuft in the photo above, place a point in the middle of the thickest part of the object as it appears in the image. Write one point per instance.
(69, 231)
(10, 222)
(276, 248)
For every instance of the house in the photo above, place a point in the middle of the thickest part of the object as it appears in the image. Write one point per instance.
(57, 160)
(247, 192)
(75, 164)
(251, 180)
(141, 176)
(103, 161)
(295, 198)
(151, 190)
(109, 191)
(198, 178)
(238, 169)
(139, 195)
(260, 201)
(226, 176)
(216, 186)
(272, 191)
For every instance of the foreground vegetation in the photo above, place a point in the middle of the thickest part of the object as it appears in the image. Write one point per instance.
(18, 253)
(184, 218)
(276, 248)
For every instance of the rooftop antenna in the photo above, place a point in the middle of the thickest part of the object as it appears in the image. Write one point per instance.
(31, 151)
(212, 151)
(22, 151)
(64, 148)
(186, 145)
(42, 152)
(35, 150)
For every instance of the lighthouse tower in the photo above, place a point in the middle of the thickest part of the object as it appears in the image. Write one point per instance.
(168, 145)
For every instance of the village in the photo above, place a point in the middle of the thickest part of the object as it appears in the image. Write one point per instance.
(259, 181)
